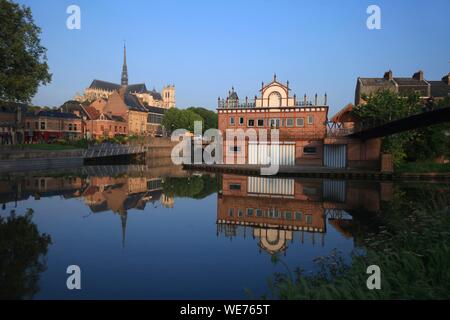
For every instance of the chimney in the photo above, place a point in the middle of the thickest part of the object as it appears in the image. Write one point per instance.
(388, 75)
(418, 75)
(446, 79)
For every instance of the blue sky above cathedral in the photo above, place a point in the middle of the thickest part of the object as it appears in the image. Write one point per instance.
(205, 47)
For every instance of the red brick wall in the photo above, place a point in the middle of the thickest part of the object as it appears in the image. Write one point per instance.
(307, 135)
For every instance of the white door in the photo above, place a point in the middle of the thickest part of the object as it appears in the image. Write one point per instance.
(335, 156)
(283, 154)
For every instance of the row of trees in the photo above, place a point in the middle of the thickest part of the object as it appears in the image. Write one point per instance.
(184, 119)
(420, 144)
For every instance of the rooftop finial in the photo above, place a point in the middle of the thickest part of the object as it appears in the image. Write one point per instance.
(274, 77)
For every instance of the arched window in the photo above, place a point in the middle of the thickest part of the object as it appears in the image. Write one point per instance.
(275, 99)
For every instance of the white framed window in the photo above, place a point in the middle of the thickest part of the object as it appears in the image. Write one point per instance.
(300, 122)
(310, 119)
(250, 122)
(289, 122)
(232, 121)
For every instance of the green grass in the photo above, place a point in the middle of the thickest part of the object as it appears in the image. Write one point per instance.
(422, 167)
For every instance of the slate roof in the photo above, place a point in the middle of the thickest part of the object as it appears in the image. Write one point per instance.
(157, 110)
(104, 85)
(376, 82)
(133, 102)
(54, 114)
(156, 95)
(109, 86)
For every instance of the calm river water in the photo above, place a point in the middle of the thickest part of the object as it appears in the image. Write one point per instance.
(163, 233)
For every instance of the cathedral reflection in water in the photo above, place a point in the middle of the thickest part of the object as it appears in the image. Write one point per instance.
(272, 210)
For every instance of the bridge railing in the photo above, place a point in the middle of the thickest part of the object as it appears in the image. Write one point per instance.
(108, 150)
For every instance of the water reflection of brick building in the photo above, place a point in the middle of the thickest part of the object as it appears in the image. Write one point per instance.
(275, 209)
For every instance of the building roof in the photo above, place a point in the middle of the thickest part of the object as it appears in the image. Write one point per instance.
(54, 114)
(376, 82)
(92, 113)
(439, 89)
(155, 94)
(157, 110)
(137, 88)
(133, 102)
(104, 85)
(109, 86)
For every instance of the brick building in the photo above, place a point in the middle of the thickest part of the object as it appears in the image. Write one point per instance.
(301, 123)
(49, 125)
(403, 86)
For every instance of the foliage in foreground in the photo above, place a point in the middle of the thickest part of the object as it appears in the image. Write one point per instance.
(412, 250)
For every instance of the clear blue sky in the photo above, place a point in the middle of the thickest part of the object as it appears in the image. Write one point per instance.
(205, 47)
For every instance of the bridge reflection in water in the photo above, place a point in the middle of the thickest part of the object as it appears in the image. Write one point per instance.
(273, 210)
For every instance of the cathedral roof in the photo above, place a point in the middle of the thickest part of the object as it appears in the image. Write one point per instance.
(109, 86)
(155, 94)
(104, 85)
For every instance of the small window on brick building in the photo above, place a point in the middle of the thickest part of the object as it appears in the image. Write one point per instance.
(298, 216)
(251, 122)
(310, 119)
(42, 125)
(70, 127)
(249, 212)
(230, 212)
(289, 122)
(309, 150)
(300, 122)
(309, 219)
(75, 127)
(235, 186)
(259, 213)
(241, 121)
(235, 148)
(240, 212)
(288, 215)
(232, 121)
(260, 122)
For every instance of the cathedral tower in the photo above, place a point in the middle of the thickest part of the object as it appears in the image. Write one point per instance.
(168, 95)
(124, 79)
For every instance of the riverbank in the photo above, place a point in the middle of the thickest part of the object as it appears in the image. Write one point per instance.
(319, 172)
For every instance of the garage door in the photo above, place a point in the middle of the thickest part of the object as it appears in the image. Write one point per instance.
(281, 154)
(335, 155)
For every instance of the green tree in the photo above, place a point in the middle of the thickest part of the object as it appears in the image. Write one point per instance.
(180, 119)
(210, 118)
(23, 61)
(419, 144)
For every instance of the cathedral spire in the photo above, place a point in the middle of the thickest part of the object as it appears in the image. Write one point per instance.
(124, 79)
(123, 220)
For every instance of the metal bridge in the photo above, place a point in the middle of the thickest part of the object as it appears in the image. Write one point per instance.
(112, 150)
(416, 121)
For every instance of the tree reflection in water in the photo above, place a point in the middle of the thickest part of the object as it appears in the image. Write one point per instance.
(22, 252)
